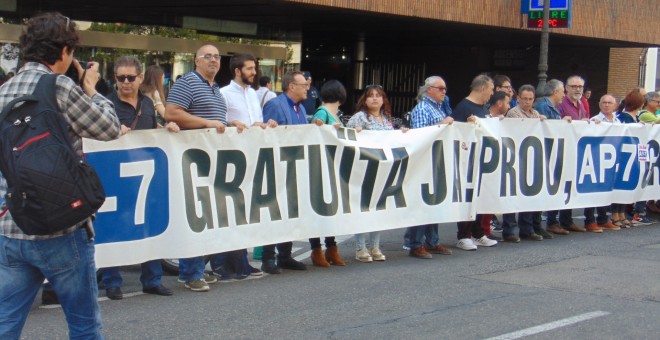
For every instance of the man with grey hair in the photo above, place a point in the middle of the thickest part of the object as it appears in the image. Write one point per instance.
(428, 112)
(647, 115)
(572, 104)
(554, 94)
(470, 233)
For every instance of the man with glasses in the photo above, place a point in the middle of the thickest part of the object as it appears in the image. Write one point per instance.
(195, 102)
(503, 83)
(135, 112)
(313, 99)
(572, 106)
(647, 115)
(424, 239)
(66, 257)
(285, 109)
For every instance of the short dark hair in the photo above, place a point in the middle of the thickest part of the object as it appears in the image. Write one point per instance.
(238, 60)
(500, 79)
(263, 81)
(45, 37)
(497, 96)
(288, 78)
(333, 91)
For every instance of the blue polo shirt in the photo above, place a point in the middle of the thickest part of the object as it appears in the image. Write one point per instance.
(194, 94)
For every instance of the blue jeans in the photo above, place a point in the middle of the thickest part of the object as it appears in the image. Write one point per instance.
(152, 271)
(191, 268)
(361, 240)
(529, 222)
(414, 237)
(68, 264)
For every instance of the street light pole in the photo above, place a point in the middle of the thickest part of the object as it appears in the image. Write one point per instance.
(543, 57)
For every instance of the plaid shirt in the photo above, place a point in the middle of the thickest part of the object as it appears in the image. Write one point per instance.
(568, 108)
(87, 117)
(427, 112)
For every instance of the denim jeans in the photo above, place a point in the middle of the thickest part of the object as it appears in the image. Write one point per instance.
(152, 272)
(640, 208)
(589, 215)
(191, 268)
(68, 264)
(414, 237)
(361, 240)
(529, 222)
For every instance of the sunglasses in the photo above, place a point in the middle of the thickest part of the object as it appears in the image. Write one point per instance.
(369, 87)
(122, 79)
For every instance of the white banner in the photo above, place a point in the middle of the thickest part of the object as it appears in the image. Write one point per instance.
(173, 195)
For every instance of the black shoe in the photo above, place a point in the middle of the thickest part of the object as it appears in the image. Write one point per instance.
(48, 297)
(114, 293)
(270, 267)
(292, 264)
(158, 290)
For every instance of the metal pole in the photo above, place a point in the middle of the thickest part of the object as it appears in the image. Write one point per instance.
(543, 57)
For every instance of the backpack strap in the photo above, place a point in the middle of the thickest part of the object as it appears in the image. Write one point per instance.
(263, 99)
(45, 90)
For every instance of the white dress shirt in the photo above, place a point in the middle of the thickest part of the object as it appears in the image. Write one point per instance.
(242, 104)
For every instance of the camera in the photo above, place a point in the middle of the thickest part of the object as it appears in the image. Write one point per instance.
(72, 72)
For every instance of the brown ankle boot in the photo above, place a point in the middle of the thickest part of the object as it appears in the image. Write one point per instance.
(332, 255)
(318, 259)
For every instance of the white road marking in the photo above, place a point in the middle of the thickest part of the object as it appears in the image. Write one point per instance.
(550, 326)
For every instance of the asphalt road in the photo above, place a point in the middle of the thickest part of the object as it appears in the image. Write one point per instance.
(579, 286)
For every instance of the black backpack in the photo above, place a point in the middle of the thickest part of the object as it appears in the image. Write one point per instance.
(50, 188)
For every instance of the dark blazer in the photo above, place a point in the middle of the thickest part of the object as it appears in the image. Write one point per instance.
(278, 109)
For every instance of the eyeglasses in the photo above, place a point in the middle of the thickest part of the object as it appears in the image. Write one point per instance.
(122, 79)
(210, 56)
(303, 85)
(608, 103)
(439, 88)
(577, 87)
(508, 87)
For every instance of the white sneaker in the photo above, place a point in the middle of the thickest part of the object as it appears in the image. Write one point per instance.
(466, 244)
(363, 255)
(484, 241)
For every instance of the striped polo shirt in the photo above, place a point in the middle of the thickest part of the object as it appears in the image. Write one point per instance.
(194, 94)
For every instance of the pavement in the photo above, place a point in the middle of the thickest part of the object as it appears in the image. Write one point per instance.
(579, 286)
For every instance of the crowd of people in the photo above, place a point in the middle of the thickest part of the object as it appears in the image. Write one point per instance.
(196, 101)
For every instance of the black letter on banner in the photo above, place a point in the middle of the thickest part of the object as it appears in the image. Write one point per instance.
(488, 143)
(552, 182)
(469, 193)
(439, 177)
(224, 189)
(345, 168)
(290, 154)
(400, 161)
(508, 148)
(316, 180)
(373, 158)
(537, 183)
(342, 133)
(458, 190)
(203, 162)
(265, 163)
(651, 169)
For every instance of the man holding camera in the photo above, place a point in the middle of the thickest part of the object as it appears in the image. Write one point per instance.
(65, 258)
